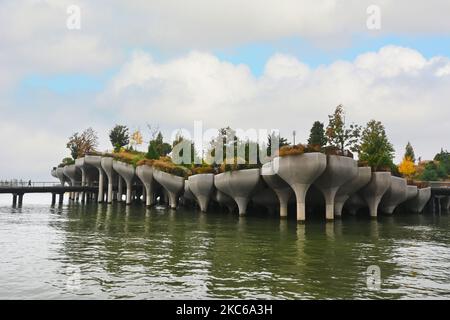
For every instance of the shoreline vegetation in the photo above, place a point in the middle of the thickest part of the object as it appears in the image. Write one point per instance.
(370, 143)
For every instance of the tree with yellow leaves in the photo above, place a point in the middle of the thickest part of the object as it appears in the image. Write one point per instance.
(407, 168)
(136, 139)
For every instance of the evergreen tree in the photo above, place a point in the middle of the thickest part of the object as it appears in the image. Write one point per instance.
(375, 147)
(161, 147)
(409, 153)
(317, 134)
(152, 153)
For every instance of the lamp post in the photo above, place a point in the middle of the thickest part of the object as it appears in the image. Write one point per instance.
(293, 135)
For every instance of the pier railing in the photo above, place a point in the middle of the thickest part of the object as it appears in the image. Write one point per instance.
(34, 184)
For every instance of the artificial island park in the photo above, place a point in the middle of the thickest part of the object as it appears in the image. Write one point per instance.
(235, 218)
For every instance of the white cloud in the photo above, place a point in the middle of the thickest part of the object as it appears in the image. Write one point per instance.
(34, 37)
(395, 85)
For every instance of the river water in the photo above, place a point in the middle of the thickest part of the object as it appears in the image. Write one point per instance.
(119, 252)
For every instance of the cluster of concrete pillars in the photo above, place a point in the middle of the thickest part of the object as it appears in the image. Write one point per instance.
(337, 178)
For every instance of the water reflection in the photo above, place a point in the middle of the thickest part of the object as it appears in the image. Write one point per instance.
(131, 252)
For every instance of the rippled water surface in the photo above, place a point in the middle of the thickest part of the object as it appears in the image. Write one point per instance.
(119, 252)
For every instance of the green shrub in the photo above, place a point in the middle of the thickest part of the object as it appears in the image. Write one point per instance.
(152, 153)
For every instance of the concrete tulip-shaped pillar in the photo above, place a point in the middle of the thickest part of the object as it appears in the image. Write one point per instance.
(61, 176)
(352, 186)
(188, 195)
(145, 173)
(224, 199)
(239, 185)
(417, 203)
(374, 191)
(411, 192)
(279, 186)
(127, 172)
(172, 184)
(96, 161)
(395, 195)
(300, 171)
(202, 186)
(107, 166)
(53, 173)
(339, 170)
(73, 174)
(79, 163)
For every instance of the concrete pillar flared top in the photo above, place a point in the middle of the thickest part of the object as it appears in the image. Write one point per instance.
(339, 170)
(107, 166)
(88, 172)
(300, 171)
(202, 186)
(187, 192)
(95, 161)
(61, 176)
(73, 173)
(174, 185)
(375, 189)
(125, 170)
(240, 185)
(417, 203)
(280, 187)
(352, 186)
(395, 195)
(145, 174)
(411, 192)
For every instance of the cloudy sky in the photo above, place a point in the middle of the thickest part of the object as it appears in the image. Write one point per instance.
(273, 64)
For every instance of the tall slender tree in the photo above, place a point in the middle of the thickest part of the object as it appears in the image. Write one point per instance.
(375, 147)
(317, 134)
(339, 135)
(409, 153)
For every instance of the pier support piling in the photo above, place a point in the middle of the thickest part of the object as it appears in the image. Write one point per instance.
(20, 200)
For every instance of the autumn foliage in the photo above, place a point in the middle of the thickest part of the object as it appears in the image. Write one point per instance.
(407, 167)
